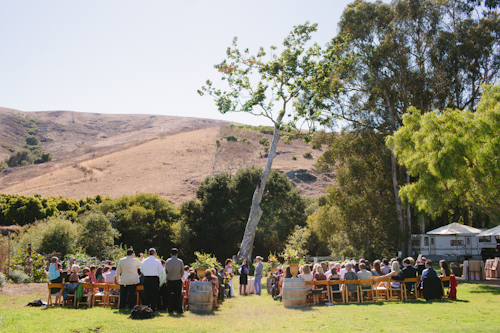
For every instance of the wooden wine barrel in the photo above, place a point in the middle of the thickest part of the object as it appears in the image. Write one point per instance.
(269, 286)
(200, 296)
(294, 293)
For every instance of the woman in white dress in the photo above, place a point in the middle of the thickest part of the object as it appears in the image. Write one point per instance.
(228, 269)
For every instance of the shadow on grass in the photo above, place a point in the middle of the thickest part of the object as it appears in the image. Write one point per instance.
(481, 289)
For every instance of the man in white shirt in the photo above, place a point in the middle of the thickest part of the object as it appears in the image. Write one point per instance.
(110, 276)
(127, 276)
(329, 271)
(151, 268)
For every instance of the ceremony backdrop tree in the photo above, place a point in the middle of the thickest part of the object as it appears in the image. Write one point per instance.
(423, 53)
(455, 154)
(270, 89)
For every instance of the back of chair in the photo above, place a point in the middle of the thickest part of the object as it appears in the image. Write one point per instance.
(444, 279)
(411, 280)
(88, 286)
(321, 283)
(366, 281)
(309, 283)
(347, 282)
(335, 282)
(495, 264)
(113, 286)
(56, 285)
(475, 266)
(103, 286)
(139, 288)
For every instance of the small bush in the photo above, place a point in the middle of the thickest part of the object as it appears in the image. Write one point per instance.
(266, 149)
(287, 140)
(245, 140)
(19, 277)
(264, 141)
(316, 145)
(2, 279)
(231, 138)
(294, 158)
(308, 155)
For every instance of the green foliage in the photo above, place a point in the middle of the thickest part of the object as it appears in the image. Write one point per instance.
(359, 216)
(231, 138)
(294, 157)
(18, 276)
(316, 145)
(3, 165)
(24, 261)
(296, 244)
(57, 235)
(308, 154)
(266, 149)
(245, 140)
(97, 234)
(222, 212)
(455, 155)
(32, 141)
(264, 141)
(143, 220)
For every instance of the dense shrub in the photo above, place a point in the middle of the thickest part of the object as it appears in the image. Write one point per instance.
(308, 155)
(32, 141)
(58, 235)
(264, 141)
(294, 158)
(97, 234)
(18, 276)
(231, 137)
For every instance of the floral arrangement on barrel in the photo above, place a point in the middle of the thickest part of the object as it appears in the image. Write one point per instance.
(203, 262)
(292, 259)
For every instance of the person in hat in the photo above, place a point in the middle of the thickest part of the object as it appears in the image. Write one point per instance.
(258, 275)
(151, 268)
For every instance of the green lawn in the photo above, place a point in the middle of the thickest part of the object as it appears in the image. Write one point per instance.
(477, 310)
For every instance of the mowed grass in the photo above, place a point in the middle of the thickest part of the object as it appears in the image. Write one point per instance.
(477, 310)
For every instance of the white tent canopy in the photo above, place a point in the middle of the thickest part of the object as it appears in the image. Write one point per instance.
(491, 232)
(455, 229)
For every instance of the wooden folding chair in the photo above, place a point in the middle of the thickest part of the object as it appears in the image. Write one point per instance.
(370, 291)
(325, 294)
(70, 295)
(398, 291)
(339, 283)
(446, 290)
(348, 292)
(185, 297)
(311, 299)
(88, 294)
(406, 292)
(137, 289)
(111, 294)
(100, 296)
(493, 267)
(475, 267)
(380, 287)
(59, 294)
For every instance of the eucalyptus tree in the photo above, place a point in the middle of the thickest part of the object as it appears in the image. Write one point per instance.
(422, 53)
(269, 88)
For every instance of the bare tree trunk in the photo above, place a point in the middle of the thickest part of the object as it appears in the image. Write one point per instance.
(408, 220)
(246, 246)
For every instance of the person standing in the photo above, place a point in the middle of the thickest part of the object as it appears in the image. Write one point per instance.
(174, 267)
(151, 268)
(128, 277)
(244, 270)
(258, 275)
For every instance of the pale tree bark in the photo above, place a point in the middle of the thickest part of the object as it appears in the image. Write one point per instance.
(408, 220)
(394, 168)
(256, 211)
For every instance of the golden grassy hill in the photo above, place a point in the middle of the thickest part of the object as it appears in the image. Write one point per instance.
(128, 154)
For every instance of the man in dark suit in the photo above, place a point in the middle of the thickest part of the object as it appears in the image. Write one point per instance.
(407, 272)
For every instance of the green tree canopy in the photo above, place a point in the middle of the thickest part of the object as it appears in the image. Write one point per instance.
(454, 154)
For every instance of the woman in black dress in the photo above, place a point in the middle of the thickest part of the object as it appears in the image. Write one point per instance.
(244, 277)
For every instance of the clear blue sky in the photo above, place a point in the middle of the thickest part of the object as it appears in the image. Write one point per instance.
(138, 56)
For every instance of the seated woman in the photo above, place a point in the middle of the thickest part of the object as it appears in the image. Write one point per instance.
(320, 276)
(445, 272)
(395, 270)
(99, 275)
(286, 275)
(306, 275)
(215, 284)
(376, 271)
(73, 281)
(335, 276)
